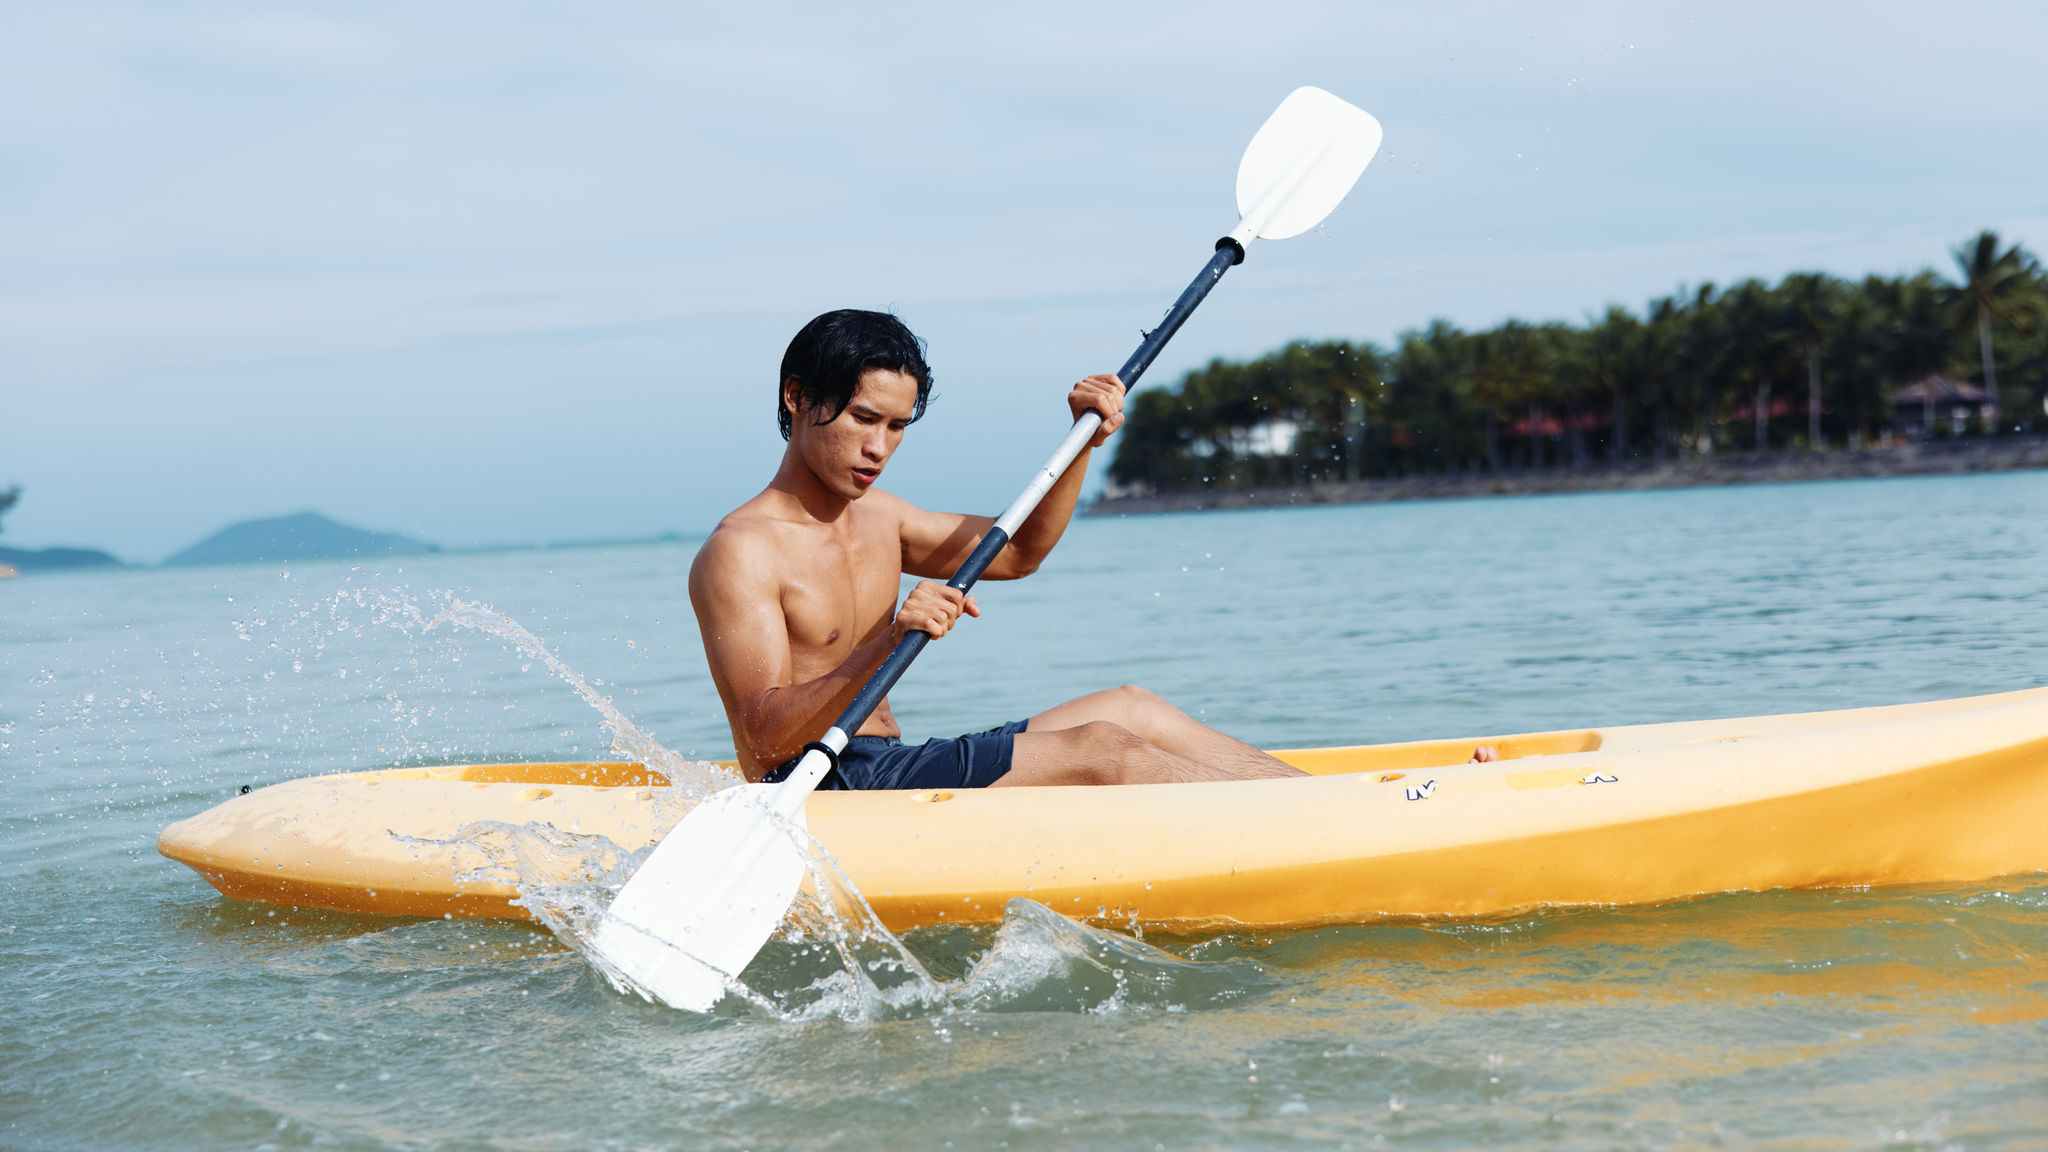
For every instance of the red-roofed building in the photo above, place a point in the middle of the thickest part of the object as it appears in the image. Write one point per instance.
(1920, 407)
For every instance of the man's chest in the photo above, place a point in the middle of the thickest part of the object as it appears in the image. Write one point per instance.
(847, 589)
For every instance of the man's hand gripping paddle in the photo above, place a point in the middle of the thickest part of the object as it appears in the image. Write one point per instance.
(713, 891)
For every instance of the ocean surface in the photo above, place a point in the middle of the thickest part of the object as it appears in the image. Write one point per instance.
(140, 1010)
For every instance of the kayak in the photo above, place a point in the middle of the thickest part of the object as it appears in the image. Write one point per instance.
(1953, 790)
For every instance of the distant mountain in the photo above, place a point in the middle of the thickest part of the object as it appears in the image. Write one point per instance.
(306, 536)
(54, 559)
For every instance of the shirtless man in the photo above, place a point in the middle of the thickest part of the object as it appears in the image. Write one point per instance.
(795, 594)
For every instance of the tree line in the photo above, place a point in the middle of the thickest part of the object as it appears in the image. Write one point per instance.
(1812, 362)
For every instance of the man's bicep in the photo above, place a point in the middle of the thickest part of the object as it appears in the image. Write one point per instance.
(935, 544)
(746, 638)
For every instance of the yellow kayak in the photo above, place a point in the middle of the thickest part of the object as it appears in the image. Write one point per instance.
(1951, 790)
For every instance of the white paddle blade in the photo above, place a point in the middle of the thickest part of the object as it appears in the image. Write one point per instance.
(1302, 163)
(706, 899)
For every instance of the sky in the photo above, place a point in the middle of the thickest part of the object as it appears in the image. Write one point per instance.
(491, 273)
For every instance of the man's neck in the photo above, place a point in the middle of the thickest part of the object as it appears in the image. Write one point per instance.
(794, 481)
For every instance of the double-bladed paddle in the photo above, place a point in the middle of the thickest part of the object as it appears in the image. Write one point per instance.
(712, 892)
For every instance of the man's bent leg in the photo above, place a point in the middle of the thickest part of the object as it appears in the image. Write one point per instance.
(1098, 753)
(1166, 728)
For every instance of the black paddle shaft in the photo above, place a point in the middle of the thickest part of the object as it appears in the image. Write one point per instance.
(1228, 252)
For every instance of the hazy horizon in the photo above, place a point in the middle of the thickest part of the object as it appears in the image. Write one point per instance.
(504, 278)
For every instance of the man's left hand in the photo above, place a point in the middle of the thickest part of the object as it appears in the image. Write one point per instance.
(1102, 393)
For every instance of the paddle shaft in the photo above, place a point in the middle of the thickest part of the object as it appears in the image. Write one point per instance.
(1228, 252)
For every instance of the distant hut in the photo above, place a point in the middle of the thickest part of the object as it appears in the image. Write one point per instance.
(1920, 407)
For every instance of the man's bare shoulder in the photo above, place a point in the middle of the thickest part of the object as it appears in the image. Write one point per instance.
(881, 505)
(749, 544)
(763, 542)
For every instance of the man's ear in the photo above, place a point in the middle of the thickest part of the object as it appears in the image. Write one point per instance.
(792, 397)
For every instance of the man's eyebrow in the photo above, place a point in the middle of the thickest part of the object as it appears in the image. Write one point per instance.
(860, 409)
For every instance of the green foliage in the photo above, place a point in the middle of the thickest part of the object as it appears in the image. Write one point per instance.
(1808, 362)
(1997, 290)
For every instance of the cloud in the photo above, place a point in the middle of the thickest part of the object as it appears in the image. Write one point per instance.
(479, 273)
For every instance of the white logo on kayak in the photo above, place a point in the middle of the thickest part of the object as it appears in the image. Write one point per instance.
(1421, 791)
(1598, 778)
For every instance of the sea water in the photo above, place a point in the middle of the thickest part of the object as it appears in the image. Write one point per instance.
(138, 1009)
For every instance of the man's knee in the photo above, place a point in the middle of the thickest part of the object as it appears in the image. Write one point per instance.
(1098, 753)
(1139, 704)
(1109, 753)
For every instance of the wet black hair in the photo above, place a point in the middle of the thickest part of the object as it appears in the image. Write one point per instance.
(829, 354)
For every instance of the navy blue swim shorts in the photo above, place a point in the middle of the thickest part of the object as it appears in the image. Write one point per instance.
(876, 762)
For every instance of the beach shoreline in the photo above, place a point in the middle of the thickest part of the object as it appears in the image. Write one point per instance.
(1930, 458)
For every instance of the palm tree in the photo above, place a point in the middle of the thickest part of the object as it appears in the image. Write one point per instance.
(1856, 350)
(1609, 356)
(1995, 285)
(1813, 301)
(1331, 386)
(1516, 361)
(1433, 377)
(1567, 374)
(1492, 386)
(1655, 351)
(1699, 358)
(1152, 444)
(1753, 324)
(1916, 334)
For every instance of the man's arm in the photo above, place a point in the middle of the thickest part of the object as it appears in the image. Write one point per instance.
(736, 592)
(935, 544)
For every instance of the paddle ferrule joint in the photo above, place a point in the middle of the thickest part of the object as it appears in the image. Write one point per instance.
(831, 753)
(790, 794)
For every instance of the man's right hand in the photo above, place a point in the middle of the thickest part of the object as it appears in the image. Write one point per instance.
(933, 607)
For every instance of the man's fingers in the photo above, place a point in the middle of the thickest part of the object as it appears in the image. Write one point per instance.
(1104, 394)
(933, 607)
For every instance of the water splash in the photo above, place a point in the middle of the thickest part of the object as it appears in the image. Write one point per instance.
(1041, 961)
(696, 778)
(832, 958)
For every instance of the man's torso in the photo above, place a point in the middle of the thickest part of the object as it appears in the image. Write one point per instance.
(837, 584)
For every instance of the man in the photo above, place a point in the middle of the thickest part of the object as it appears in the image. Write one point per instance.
(795, 593)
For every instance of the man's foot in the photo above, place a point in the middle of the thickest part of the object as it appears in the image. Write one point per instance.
(1484, 754)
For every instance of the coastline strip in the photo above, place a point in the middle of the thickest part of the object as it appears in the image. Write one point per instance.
(1932, 458)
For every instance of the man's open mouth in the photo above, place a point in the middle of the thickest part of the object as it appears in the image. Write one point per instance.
(866, 476)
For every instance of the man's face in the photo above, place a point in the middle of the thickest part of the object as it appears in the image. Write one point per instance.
(847, 453)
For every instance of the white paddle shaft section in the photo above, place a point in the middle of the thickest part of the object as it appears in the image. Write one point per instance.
(1077, 439)
(808, 774)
